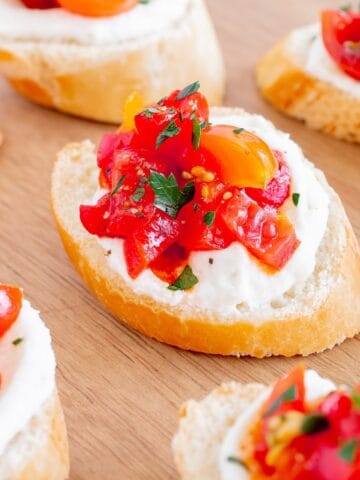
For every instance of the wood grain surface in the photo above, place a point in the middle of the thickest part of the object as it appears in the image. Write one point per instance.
(121, 391)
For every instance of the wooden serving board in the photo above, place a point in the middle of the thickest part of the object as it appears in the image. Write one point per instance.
(121, 391)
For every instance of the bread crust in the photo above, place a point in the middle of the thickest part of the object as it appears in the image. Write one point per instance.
(49, 458)
(322, 326)
(94, 81)
(204, 424)
(321, 105)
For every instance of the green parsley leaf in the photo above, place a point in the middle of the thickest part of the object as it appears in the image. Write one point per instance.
(209, 218)
(168, 197)
(118, 185)
(144, 180)
(170, 131)
(355, 397)
(17, 341)
(138, 194)
(238, 130)
(296, 198)
(237, 460)
(196, 133)
(189, 90)
(288, 396)
(346, 8)
(149, 112)
(348, 451)
(314, 423)
(144, 2)
(162, 100)
(205, 124)
(185, 281)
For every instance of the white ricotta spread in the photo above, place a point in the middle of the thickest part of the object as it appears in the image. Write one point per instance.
(59, 25)
(235, 280)
(27, 372)
(315, 387)
(307, 45)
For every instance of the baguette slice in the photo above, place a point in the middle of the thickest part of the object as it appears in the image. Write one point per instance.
(93, 81)
(40, 451)
(285, 83)
(326, 312)
(203, 426)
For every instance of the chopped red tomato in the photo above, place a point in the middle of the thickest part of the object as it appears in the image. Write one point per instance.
(169, 193)
(147, 243)
(96, 8)
(294, 380)
(194, 104)
(40, 4)
(341, 36)
(269, 236)
(277, 190)
(169, 265)
(10, 305)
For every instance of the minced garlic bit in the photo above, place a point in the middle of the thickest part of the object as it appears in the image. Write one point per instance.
(201, 174)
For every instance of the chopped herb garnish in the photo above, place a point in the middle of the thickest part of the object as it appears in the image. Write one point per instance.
(170, 131)
(205, 124)
(138, 194)
(348, 451)
(209, 218)
(238, 130)
(144, 2)
(314, 423)
(355, 397)
(149, 112)
(118, 185)
(346, 8)
(144, 180)
(189, 90)
(296, 198)
(196, 207)
(288, 396)
(17, 341)
(237, 460)
(185, 281)
(162, 100)
(168, 197)
(196, 133)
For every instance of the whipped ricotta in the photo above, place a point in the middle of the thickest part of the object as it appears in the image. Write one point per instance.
(59, 25)
(27, 372)
(315, 387)
(234, 280)
(307, 45)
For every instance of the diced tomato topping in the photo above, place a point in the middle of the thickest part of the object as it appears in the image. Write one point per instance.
(168, 193)
(341, 36)
(40, 4)
(269, 236)
(147, 243)
(327, 448)
(10, 305)
(169, 265)
(96, 8)
(277, 190)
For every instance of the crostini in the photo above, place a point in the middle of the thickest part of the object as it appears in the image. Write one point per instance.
(301, 428)
(314, 74)
(33, 439)
(79, 61)
(216, 237)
